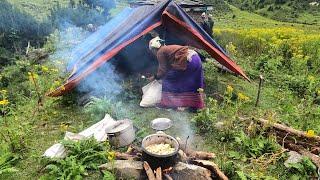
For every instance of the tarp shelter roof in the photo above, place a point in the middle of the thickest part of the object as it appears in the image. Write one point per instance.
(181, 3)
(130, 25)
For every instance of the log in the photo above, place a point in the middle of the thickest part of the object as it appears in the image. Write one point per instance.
(195, 154)
(201, 155)
(148, 170)
(288, 129)
(167, 176)
(183, 157)
(294, 137)
(125, 156)
(212, 167)
(315, 150)
(159, 174)
(314, 158)
(288, 138)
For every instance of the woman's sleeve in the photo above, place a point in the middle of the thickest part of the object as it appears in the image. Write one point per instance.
(163, 68)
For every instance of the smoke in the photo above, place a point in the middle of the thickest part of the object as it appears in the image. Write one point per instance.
(65, 40)
(103, 82)
(182, 127)
(75, 41)
(75, 37)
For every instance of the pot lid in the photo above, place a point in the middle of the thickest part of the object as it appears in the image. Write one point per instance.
(161, 124)
(121, 125)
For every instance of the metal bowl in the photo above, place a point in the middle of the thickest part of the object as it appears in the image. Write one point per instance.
(161, 124)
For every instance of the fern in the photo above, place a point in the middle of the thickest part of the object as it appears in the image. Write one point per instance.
(7, 160)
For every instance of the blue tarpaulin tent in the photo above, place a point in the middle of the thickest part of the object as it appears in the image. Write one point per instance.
(130, 25)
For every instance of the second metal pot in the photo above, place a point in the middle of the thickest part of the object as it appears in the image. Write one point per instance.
(123, 134)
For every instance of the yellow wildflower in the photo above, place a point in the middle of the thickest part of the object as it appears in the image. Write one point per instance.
(32, 76)
(62, 88)
(56, 83)
(231, 48)
(4, 102)
(243, 97)
(3, 91)
(318, 92)
(64, 127)
(311, 78)
(229, 89)
(310, 133)
(44, 68)
(111, 155)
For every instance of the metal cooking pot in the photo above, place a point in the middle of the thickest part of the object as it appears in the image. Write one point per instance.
(156, 160)
(122, 134)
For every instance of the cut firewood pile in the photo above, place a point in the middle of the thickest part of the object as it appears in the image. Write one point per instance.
(304, 143)
(188, 164)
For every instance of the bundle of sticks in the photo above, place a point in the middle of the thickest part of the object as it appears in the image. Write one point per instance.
(295, 140)
(185, 155)
(157, 175)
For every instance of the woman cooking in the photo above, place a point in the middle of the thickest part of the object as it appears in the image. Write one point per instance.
(181, 72)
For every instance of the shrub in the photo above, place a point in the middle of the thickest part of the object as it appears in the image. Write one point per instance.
(7, 160)
(257, 146)
(302, 170)
(82, 156)
(19, 27)
(206, 118)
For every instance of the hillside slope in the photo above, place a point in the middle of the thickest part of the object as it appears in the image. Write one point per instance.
(306, 12)
(241, 19)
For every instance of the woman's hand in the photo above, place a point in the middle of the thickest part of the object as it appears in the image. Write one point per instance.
(151, 78)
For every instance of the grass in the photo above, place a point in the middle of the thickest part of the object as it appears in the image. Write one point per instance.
(39, 9)
(288, 11)
(239, 19)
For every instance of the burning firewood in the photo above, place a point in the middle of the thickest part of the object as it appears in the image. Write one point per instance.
(168, 170)
(130, 149)
(159, 174)
(167, 176)
(149, 171)
(212, 167)
(201, 155)
(183, 157)
(125, 156)
(195, 154)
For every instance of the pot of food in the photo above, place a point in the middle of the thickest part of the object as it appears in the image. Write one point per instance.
(160, 150)
(122, 134)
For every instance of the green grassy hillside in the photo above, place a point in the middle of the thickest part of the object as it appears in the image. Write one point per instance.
(282, 10)
(39, 9)
(237, 18)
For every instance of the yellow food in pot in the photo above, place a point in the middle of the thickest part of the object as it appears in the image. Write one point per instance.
(160, 149)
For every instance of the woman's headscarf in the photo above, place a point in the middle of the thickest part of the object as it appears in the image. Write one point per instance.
(155, 43)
